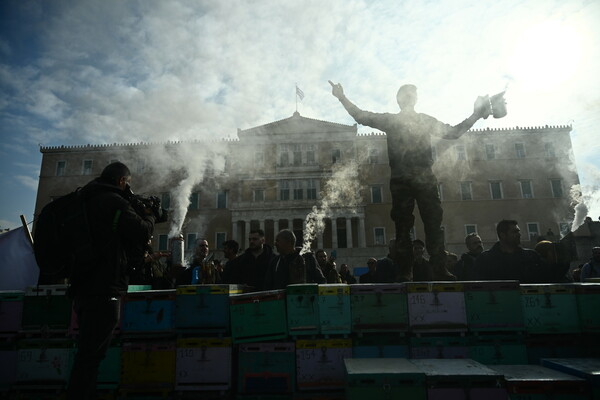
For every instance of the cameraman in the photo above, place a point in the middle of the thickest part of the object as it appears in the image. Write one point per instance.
(100, 278)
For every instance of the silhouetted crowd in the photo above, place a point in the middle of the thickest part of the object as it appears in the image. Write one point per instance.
(262, 268)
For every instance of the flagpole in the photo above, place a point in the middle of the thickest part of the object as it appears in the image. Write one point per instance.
(24, 222)
(296, 96)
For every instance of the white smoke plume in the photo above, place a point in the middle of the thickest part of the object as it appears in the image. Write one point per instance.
(578, 203)
(342, 190)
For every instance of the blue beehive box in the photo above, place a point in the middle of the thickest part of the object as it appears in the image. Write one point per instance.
(588, 304)
(335, 315)
(535, 382)
(379, 308)
(258, 316)
(550, 308)
(380, 345)
(303, 309)
(496, 349)
(204, 308)
(384, 379)
(148, 311)
(266, 368)
(552, 346)
(585, 368)
(493, 306)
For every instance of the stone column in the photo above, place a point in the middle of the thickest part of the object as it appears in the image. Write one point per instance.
(334, 241)
(362, 242)
(276, 226)
(234, 232)
(247, 231)
(349, 232)
(261, 224)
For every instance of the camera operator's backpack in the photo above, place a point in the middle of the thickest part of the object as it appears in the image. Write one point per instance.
(61, 234)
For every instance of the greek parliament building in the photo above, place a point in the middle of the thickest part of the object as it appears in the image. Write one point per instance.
(274, 174)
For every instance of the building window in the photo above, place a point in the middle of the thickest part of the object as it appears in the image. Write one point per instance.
(461, 153)
(141, 166)
(520, 150)
(470, 228)
(490, 152)
(373, 156)
(297, 155)
(379, 236)
(376, 195)
(533, 230)
(564, 228)
(284, 190)
(557, 190)
(298, 190)
(441, 191)
(434, 153)
(259, 195)
(311, 190)
(220, 238)
(87, 167)
(222, 199)
(549, 148)
(60, 168)
(259, 159)
(526, 189)
(163, 243)
(165, 201)
(194, 201)
(465, 191)
(310, 154)
(191, 241)
(336, 156)
(284, 159)
(496, 190)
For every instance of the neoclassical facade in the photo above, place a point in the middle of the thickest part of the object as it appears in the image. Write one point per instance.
(273, 176)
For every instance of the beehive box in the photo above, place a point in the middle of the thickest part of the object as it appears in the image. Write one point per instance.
(303, 309)
(320, 363)
(461, 379)
(436, 307)
(148, 364)
(11, 311)
(258, 316)
(585, 368)
(204, 308)
(494, 306)
(552, 346)
(588, 304)
(44, 360)
(8, 366)
(148, 311)
(550, 308)
(384, 379)
(335, 315)
(266, 368)
(379, 308)
(380, 345)
(449, 346)
(203, 363)
(46, 307)
(109, 371)
(535, 382)
(495, 349)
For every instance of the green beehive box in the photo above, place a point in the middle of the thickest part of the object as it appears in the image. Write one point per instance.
(534, 382)
(550, 308)
(379, 308)
(498, 349)
(46, 307)
(303, 309)
(588, 304)
(109, 371)
(384, 379)
(258, 316)
(266, 368)
(494, 306)
(334, 309)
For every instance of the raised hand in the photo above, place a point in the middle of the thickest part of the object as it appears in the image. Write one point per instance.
(337, 90)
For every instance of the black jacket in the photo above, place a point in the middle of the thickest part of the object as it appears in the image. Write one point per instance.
(116, 230)
(464, 270)
(524, 265)
(293, 268)
(249, 270)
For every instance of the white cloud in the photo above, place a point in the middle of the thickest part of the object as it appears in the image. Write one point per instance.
(27, 181)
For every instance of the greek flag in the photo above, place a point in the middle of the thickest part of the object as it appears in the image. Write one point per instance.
(299, 93)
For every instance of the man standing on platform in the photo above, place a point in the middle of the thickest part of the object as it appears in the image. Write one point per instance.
(412, 180)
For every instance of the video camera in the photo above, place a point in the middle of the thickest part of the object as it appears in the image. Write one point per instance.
(141, 204)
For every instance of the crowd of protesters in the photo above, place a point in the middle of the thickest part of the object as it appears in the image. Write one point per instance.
(263, 268)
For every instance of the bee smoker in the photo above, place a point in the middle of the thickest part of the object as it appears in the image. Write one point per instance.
(177, 246)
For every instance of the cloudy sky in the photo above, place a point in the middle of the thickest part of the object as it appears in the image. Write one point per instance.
(105, 71)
